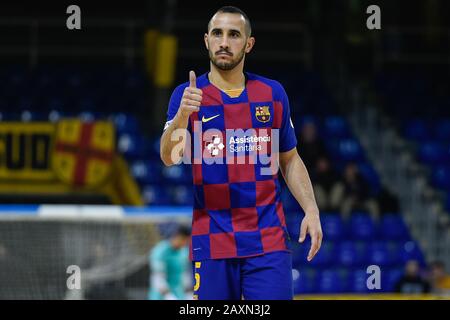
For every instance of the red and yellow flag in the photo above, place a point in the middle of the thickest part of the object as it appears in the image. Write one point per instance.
(83, 152)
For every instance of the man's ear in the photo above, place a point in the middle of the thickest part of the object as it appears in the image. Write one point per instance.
(250, 44)
(205, 37)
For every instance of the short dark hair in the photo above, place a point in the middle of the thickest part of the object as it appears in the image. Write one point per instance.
(182, 231)
(232, 9)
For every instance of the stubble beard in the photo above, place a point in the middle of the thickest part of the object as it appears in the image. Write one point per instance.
(225, 65)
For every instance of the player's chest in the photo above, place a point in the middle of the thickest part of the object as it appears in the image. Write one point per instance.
(242, 115)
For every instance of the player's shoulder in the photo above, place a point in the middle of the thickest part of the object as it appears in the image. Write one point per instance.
(277, 87)
(183, 253)
(161, 247)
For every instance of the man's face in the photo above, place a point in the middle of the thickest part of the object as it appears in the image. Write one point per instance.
(180, 241)
(227, 41)
(412, 268)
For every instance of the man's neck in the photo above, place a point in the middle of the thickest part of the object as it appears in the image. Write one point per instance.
(227, 80)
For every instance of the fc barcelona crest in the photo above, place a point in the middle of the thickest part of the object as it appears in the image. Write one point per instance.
(83, 151)
(262, 114)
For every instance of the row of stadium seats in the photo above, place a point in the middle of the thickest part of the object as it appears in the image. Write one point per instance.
(421, 130)
(415, 94)
(44, 80)
(310, 280)
(425, 122)
(358, 254)
(71, 89)
(349, 246)
(124, 122)
(359, 227)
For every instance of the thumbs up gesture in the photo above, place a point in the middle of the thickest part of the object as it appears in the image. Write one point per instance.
(192, 97)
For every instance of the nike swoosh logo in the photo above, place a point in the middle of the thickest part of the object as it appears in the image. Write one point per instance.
(210, 118)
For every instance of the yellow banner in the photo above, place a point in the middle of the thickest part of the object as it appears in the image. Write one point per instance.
(66, 157)
(25, 150)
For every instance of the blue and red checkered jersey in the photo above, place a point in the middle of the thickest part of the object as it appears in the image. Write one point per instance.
(234, 143)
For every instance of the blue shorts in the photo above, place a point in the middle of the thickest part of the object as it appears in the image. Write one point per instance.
(264, 277)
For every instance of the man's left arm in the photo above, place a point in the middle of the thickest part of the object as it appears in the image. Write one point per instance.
(297, 178)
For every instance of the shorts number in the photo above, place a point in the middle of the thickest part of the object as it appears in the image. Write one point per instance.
(197, 276)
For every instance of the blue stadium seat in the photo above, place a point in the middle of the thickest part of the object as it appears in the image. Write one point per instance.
(349, 254)
(361, 226)
(182, 195)
(87, 116)
(146, 172)
(433, 153)
(326, 255)
(335, 127)
(410, 250)
(392, 227)
(28, 116)
(441, 177)
(306, 281)
(302, 119)
(417, 130)
(176, 174)
(389, 278)
(56, 115)
(155, 146)
(395, 247)
(132, 146)
(307, 118)
(442, 130)
(125, 123)
(371, 176)
(330, 281)
(333, 226)
(345, 150)
(156, 195)
(358, 281)
(350, 150)
(378, 254)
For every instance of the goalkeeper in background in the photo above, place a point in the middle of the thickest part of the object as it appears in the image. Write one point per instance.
(170, 267)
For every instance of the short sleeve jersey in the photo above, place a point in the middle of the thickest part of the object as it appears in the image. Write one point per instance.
(233, 146)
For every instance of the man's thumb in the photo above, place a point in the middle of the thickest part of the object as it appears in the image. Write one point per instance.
(192, 79)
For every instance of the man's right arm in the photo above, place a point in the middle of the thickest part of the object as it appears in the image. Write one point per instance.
(176, 130)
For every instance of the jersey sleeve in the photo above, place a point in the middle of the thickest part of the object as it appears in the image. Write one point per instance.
(174, 104)
(288, 140)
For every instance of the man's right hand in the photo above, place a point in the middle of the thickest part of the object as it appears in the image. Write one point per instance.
(192, 98)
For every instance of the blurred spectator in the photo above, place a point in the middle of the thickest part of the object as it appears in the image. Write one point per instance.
(412, 282)
(387, 201)
(311, 148)
(326, 185)
(355, 193)
(169, 267)
(440, 280)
